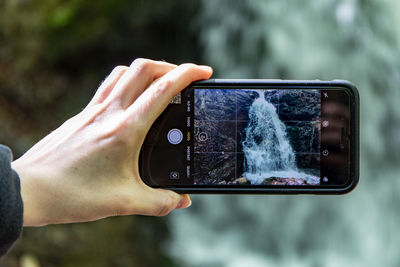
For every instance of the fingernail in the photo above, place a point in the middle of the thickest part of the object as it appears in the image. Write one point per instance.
(207, 68)
(185, 202)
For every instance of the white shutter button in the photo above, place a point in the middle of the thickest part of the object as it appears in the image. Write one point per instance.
(175, 136)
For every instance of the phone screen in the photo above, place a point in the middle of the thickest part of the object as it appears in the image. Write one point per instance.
(251, 137)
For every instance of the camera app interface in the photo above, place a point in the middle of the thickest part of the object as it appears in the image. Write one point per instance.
(256, 137)
(250, 137)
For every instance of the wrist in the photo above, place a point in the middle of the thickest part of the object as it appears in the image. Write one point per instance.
(32, 196)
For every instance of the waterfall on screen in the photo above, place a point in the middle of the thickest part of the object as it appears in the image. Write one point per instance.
(267, 150)
(266, 147)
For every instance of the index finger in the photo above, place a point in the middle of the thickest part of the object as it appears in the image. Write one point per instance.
(151, 103)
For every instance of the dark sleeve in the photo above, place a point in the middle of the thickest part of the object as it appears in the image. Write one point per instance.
(11, 208)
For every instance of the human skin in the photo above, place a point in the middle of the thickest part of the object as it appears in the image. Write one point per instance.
(87, 169)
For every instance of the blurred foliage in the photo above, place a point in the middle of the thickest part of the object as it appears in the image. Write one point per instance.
(53, 55)
(124, 241)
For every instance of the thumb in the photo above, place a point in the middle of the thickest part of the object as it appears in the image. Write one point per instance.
(158, 202)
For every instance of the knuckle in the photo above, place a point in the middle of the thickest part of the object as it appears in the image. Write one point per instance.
(142, 66)
(189, 70)
(119, 68)
(166, 205)
(138, 61)
(116, 136)
(189, 67)
(164, 86)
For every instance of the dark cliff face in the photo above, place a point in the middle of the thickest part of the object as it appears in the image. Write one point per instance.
(221, 118)
(301, 111)
(299, 105)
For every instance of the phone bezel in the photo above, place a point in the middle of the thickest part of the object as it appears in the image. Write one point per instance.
(254, 83)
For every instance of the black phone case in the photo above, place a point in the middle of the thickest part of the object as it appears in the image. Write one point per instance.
(240, 83)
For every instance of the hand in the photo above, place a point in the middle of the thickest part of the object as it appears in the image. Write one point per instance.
(87, 169)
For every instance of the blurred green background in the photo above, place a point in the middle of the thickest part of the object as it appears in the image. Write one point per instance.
(54, 54)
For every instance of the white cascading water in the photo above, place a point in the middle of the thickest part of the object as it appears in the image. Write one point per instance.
(266, 147)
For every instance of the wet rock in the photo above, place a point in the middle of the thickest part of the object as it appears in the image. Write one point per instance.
(284, 181)
(240, 181)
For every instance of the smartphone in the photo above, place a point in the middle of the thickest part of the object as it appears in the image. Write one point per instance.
(256, 136)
